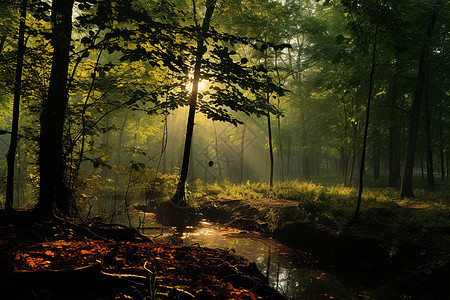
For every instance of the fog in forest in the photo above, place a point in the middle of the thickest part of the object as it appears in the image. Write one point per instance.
(324, 124)
(315, 64)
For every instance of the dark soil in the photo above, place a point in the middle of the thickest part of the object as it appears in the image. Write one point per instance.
(70, 259)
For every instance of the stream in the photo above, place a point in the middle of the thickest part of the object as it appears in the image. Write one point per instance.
(294, 274)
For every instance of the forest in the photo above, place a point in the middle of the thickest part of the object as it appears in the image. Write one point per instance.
(224, 149)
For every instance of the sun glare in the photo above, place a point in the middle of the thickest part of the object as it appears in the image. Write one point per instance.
(201, 84)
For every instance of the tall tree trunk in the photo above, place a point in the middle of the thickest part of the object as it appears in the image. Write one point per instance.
(442, 161)
(164, 139)
(350, 176)
(366, 127)
(355, 132)
(241, 169)
(376, 167)
(306, 170)
(394, 159)
(305, 167)
(280, 140)
(269, 132)
(172, 125)
(118, 161)
(430, 171)
(345, 147)
(441, 141)
(448, 162)
(178, 198)
(336, 162)
(11, 155)
(51, 161)
(191, 170)
(269, 129)
(421, 165)
(280, 149)
(406, 189)
(105, 142)
(345, 157)
(288, 164)
(217, 151)
(83, 121)
(394, 132)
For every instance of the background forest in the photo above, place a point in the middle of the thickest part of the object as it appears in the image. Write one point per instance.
(288, 91)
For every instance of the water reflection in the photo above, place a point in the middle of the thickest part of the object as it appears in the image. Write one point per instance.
(293, 273)
(270, 257)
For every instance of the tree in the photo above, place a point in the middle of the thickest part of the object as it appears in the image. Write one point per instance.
(178, 198)
(365, 16)
(52, 187)
(11, 155)
(366, 127)
(406, 189)
(233, 85)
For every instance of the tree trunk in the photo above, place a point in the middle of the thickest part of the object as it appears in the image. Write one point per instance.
(280, 150)
(83, 117)
(421, 165)
(317, 163)
(394, 159)
(355, 132)
(441, 153)
(172, 125)
(336, 162)
(241, 171)
(178, 198)
(376, 167)
(164, 140)
(441, 141)
(11, 155)
(53, 116)
(217, 151)
(105, 142)
(288, 164)
(406, 189)
(269, 128)
(345, 152)
(430, 171)
(345, 157)
(305, 167)
(280, 140)
(118, 161)
(394, 134)
(191, 170)
(366, 127)
(350, 176)
(448, 163)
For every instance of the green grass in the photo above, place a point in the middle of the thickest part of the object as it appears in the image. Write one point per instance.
(334, 204)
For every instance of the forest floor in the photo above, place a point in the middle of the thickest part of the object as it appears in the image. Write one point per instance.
(414, 255)
(69, 259)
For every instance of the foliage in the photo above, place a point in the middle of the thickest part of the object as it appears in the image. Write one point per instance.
(129, 72)
(333, 205)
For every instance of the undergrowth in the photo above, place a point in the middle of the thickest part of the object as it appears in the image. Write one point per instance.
(332, 204)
